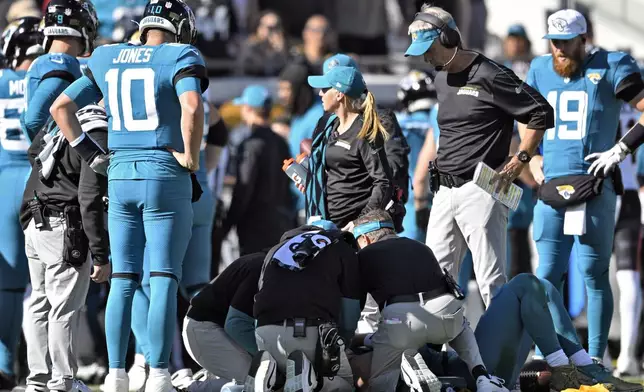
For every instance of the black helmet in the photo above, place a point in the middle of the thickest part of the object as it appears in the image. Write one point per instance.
(21, 38)
(71, 18)
(416, 91)
(173, 16)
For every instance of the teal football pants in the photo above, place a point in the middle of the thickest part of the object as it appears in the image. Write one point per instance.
(14, 270)
(592, 250)
(196, 269)
(156, 216)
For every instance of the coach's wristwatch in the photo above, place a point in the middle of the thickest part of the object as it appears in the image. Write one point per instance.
(523, 156)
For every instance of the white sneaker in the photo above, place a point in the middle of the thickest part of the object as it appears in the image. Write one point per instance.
(159, 380)
(300, 375)
(262, 375)
(626, 367)
(138, 373)
(181, 379)
(116, 381)
(490, 384)
(89, 372)
(416, 374)
(79, 386)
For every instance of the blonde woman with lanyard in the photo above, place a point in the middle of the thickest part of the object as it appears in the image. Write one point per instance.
(349, 173)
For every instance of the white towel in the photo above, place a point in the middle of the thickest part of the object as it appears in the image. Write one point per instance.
(47, 157)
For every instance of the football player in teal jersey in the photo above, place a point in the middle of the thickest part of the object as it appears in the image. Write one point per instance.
(69, 28)
(585, 88)
(152, 95)
(198, 258)
(20, 44)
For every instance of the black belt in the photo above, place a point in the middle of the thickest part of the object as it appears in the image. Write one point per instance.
(310, 322)
(421, 298)
(52, 212)
(452, 181)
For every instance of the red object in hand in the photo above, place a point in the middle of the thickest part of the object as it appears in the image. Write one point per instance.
(305, 146)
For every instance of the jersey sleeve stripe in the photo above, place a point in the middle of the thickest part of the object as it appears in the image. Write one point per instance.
(193, 71)
(61, 75)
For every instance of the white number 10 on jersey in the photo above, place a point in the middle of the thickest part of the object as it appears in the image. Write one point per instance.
(560, 103)
(124, 102)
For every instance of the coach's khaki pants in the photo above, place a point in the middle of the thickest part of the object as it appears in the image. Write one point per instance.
(211, 347)
(469, 217)
(278, 340)
(58, 293)
(410, 325)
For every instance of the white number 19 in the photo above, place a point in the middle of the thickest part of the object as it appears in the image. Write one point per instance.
(563, 114)
(125, 87)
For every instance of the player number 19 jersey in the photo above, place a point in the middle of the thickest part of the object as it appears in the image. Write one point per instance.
(586, 109)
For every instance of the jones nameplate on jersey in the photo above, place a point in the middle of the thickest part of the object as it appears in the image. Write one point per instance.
(134, 55)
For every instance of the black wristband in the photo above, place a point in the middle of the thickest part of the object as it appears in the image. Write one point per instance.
(88, 149)
(634, 138)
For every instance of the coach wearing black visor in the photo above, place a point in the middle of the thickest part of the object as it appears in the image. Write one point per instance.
(479, 102)
(349, 173)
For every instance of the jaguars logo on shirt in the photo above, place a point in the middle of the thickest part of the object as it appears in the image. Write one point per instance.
(594, 77)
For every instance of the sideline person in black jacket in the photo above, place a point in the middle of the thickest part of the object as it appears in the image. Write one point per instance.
(63, 179)
(396, 147)
(63, 217)
(349, 172)
(262, 205)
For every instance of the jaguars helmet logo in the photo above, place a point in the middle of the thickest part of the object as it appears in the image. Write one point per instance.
(565, 191)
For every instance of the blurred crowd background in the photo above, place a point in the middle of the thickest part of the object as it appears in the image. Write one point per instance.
(244, 39)
(259, 37)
